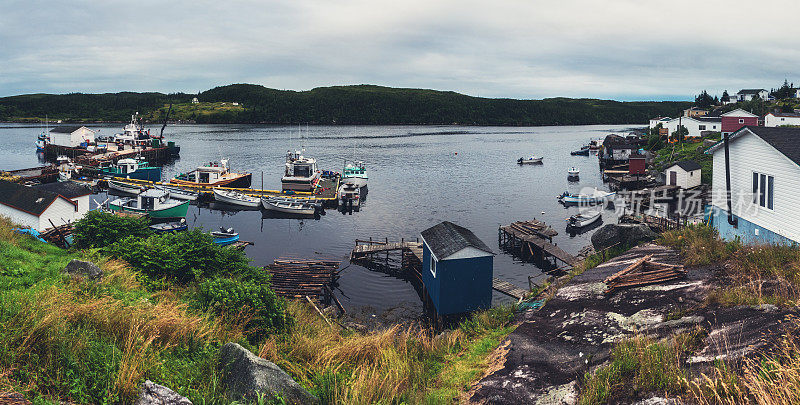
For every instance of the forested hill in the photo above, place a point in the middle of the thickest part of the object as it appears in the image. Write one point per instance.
(362, 104)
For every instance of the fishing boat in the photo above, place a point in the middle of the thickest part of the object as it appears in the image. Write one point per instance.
(349, 195)
(175, 226)
(154, 203)
(300, 173)
(133, 133)
(234, 198)
(573, 171)
(288, 206)
(530, 160)
(214, 174)
(583, 152)
(132, 169)
(583, 219)
(594, 198)
(43, 138)
(355, 173)
(180, 193)
(225, 237)
(125, 187)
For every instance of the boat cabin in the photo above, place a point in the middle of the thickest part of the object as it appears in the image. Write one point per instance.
(300, 172)
(356, 169)
(210, 174)
(457, 269)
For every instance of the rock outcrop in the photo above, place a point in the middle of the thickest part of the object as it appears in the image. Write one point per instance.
(151, 393)
(246, 375)
(83, 269)
(623, 234)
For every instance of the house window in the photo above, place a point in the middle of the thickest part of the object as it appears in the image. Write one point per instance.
(763, 189)
(714, 127)
(741, 120)
(783, 119)
(433, 266)
(702, 127)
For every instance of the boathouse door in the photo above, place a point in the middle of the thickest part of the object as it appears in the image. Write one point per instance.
(673, 178)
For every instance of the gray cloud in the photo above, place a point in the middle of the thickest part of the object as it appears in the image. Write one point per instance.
(523, 49)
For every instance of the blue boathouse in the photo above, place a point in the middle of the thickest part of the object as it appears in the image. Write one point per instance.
(457, 269)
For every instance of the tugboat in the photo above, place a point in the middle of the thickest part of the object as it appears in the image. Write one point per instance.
(133, 169)
(301, 173)
(355, 173)
(215, 174)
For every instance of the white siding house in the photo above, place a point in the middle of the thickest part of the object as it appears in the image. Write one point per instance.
(684, 174)
(780, 119)
(77, 193)
(71, 136)
(34, 208)
(748, 94)
(697, 127)
(765, 185)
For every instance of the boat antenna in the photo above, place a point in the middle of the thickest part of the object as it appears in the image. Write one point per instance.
(165, 120)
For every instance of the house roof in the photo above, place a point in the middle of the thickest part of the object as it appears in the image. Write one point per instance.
(783, 114)
(447, 238)
(65, 129)
(785, 140)
(739, 113)
(68, 189)
(688, 165)
(28, 199)
(750, 91)
(625, 146)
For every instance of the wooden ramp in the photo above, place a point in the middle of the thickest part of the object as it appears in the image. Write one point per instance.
(508, 289)
(532, 234)
(364, 248)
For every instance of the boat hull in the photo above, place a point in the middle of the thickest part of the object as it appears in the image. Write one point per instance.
(359, 182)
(272, 206)
(237, 180)
(177, 211)
(124, 187)
(224, 241)
(253, 203)
(148, 173)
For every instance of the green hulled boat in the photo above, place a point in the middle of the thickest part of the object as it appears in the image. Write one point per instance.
(154, 202)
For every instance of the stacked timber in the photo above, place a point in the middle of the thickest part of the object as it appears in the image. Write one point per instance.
(643, 272)
(294, 278)
(58, 235)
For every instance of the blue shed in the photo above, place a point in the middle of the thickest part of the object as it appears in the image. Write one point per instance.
(457, 269)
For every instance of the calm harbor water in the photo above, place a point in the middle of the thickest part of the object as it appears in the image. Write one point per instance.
(418, 176)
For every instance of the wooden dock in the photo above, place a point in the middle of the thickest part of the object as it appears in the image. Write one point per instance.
(533, 238)
(368, 247)
(295, 278)
(508, 289)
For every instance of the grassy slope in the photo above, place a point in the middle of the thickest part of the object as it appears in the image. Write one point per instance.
(90, 342)
(687, 151)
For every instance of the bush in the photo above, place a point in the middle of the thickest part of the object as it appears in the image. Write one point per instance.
(253, 298)
(100, 229)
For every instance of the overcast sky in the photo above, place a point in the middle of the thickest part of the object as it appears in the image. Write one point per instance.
(620, 49)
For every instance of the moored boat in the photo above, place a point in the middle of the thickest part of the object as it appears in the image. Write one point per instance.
(349, 196)
(583, 152)
(573, 171)
(225, 237)
(596, 197)
(215, 174)
(355, 173)
(125, 187)
(583, 219)
(300, 173)
(180, 193)
(530, 160)
(154, 203)
(175, 226)
(290, 207)
(132, 169)
(234, 198)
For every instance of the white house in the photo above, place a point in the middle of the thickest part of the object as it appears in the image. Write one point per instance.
(748, 94)
(765, 185)
(684, 174)
(71, 136)
(195, 100)
(697, 126)
(658, 120)
(34, 208)
(77, 193)
(781, 119)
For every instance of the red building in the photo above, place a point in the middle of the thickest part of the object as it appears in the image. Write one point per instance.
(637, 164)
(736, 119)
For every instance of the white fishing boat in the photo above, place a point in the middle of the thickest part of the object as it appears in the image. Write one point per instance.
(573, 171)
(125, 187)
(349, 195)
(583, 219)
(289, 207)
(530, 160)
(355, 173)
(234, 198)
(301, 173)
(595, 197)
(180, 193)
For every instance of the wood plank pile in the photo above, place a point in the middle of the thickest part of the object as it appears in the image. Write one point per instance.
(296, 278)
(643, 272)
(58, 235)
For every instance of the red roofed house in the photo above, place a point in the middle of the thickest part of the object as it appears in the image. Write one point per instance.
(734, 120)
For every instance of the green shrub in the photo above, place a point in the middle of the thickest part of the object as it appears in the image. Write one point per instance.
(100, 229)
(249, 297)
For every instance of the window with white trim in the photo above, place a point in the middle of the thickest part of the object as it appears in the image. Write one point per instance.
(741, 120)
(433, 266)
(702, 127)
(763, 189)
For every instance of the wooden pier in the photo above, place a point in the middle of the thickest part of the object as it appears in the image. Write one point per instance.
(533, 239)
(296, 278)
(508, 289)
(83, 157)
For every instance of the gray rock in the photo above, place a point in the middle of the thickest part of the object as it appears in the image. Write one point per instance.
(151, 393)
(80, 268)
(623, 234)
(245, 375)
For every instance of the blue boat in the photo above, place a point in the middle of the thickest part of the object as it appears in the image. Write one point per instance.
(225, 237)
(133, 169)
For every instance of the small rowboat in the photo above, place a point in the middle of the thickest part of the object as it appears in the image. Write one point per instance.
(573, 171)
(164, 227)
(224, 236)
(180, 193)
(594, 198)
(234, 198)
(531, 160)
(290, 207)
(125, 187)
(583, 219)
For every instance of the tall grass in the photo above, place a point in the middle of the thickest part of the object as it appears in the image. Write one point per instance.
(699, 244)
(393, 365)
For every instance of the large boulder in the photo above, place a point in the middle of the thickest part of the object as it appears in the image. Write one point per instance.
(80, 268)
(245, 375)
(151, 393)
(622, 234)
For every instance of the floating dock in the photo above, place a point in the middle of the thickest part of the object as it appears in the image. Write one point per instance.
(508, 289)
(297, 278)
(533, 239)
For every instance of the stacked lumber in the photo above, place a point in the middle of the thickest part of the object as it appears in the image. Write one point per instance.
(57, 235)
(295, 278)
(643, 272)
